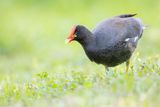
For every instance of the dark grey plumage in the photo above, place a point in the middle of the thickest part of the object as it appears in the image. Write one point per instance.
(112, 41)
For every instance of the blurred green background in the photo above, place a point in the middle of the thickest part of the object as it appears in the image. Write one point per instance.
(42, 25)
(32, 35)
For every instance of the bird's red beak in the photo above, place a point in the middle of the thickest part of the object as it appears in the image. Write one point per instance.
(71, 35)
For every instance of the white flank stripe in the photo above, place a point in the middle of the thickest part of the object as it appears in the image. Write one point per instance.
(135, 39)
(127, 39)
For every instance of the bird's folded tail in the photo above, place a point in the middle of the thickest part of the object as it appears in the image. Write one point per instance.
(126, 15)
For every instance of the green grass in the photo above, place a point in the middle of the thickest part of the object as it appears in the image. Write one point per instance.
(78, 83)
(37, 69)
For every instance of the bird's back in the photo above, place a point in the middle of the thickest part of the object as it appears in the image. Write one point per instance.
(109, 32)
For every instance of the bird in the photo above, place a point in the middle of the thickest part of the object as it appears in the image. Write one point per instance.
(112, 42)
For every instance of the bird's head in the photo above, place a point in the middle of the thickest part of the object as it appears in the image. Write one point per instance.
(78, 33)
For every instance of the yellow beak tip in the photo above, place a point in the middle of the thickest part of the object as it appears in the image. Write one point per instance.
(67, 41)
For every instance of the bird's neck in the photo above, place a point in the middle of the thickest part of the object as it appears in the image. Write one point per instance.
(88, 42)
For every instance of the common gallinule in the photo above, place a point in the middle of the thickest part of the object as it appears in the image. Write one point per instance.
(111, 42)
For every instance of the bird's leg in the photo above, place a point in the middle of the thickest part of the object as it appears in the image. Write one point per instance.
(106, 69)
(127, 65)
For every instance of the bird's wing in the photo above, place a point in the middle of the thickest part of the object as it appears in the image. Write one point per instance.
(117, 29)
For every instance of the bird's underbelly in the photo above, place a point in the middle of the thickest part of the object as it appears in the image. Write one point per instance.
(110, 59)
(116, 60)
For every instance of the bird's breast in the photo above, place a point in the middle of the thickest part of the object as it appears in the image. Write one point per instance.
(109, 56)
